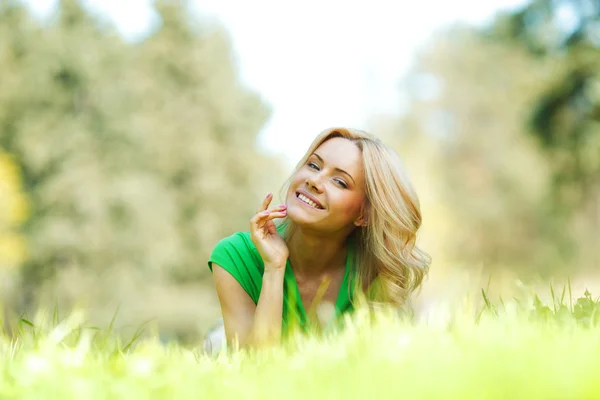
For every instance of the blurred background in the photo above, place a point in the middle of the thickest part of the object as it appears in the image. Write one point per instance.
(136, 134)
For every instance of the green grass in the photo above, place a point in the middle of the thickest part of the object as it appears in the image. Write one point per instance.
(507, 350)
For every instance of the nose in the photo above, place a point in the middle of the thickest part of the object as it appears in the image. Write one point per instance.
(315, 182)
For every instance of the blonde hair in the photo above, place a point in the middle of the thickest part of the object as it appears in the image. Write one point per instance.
(390, 265)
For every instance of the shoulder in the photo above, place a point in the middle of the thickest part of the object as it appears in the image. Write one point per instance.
(238, 255)
(238, 246)
(237, 239)
(235, 247)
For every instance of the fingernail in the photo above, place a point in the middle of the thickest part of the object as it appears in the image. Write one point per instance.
(282, 206)
(268, 195)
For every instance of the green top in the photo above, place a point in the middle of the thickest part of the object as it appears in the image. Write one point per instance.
(238, 255)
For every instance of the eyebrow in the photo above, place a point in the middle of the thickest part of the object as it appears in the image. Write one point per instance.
(336, 168)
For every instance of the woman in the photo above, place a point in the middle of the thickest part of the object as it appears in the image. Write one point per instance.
(348, 227)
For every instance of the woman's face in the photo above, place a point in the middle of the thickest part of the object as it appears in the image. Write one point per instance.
(328, 193)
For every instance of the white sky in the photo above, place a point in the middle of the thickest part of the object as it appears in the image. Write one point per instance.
(318, 63)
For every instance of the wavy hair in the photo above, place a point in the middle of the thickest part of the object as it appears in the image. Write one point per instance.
(390, 266)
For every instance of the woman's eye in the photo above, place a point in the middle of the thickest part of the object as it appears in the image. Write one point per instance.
(313, 165)
(342, 183)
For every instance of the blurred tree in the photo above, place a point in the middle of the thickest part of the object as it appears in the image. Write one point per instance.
(52, 124)
(13, 212)
(549, 27)
(510, 115)
(565, 118)
(468, 96)
(136, 157)
(203, 129)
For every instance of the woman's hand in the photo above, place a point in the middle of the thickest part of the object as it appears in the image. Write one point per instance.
(264, 235)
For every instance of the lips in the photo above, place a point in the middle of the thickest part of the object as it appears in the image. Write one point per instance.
(309, 199)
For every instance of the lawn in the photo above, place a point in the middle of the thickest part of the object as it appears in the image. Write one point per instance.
(512, 350)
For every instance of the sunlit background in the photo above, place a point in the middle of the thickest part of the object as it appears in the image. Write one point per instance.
(134, 135)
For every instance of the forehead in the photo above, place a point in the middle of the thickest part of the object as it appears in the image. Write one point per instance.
(342, 153)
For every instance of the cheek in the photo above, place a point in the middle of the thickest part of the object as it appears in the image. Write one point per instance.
(349, 206)
(297, 181)
(298, 178)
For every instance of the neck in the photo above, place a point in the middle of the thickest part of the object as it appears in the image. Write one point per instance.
(312, 255)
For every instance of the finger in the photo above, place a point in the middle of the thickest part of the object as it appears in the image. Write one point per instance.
(274, 214)
(256, 218)
(266, 224)
(262, 213)
(266, 202)
(259, 220)
(271, 227)
(281, 207)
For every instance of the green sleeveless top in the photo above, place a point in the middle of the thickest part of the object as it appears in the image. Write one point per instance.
(238, 255)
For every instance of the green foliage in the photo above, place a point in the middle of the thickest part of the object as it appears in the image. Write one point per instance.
(548, 26)
(137, 157)
(585, 312)
(13, 213)
(509, 117)
(377, 355)
(565, 118)
(490, 177)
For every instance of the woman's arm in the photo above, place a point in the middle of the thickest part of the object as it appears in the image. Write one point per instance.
(260, 324)
(249, 324)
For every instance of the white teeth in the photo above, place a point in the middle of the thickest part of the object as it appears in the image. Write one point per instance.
(308, 201)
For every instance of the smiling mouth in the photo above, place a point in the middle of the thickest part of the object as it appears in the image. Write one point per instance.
(308, 201)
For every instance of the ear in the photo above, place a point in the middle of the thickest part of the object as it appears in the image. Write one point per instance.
(363, 218)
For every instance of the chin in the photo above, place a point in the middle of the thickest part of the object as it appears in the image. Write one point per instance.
(300, 216)
(297, 215)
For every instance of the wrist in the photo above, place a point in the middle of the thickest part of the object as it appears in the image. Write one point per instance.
(275, 269)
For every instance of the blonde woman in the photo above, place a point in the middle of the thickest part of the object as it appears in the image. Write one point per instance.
(348, 226)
